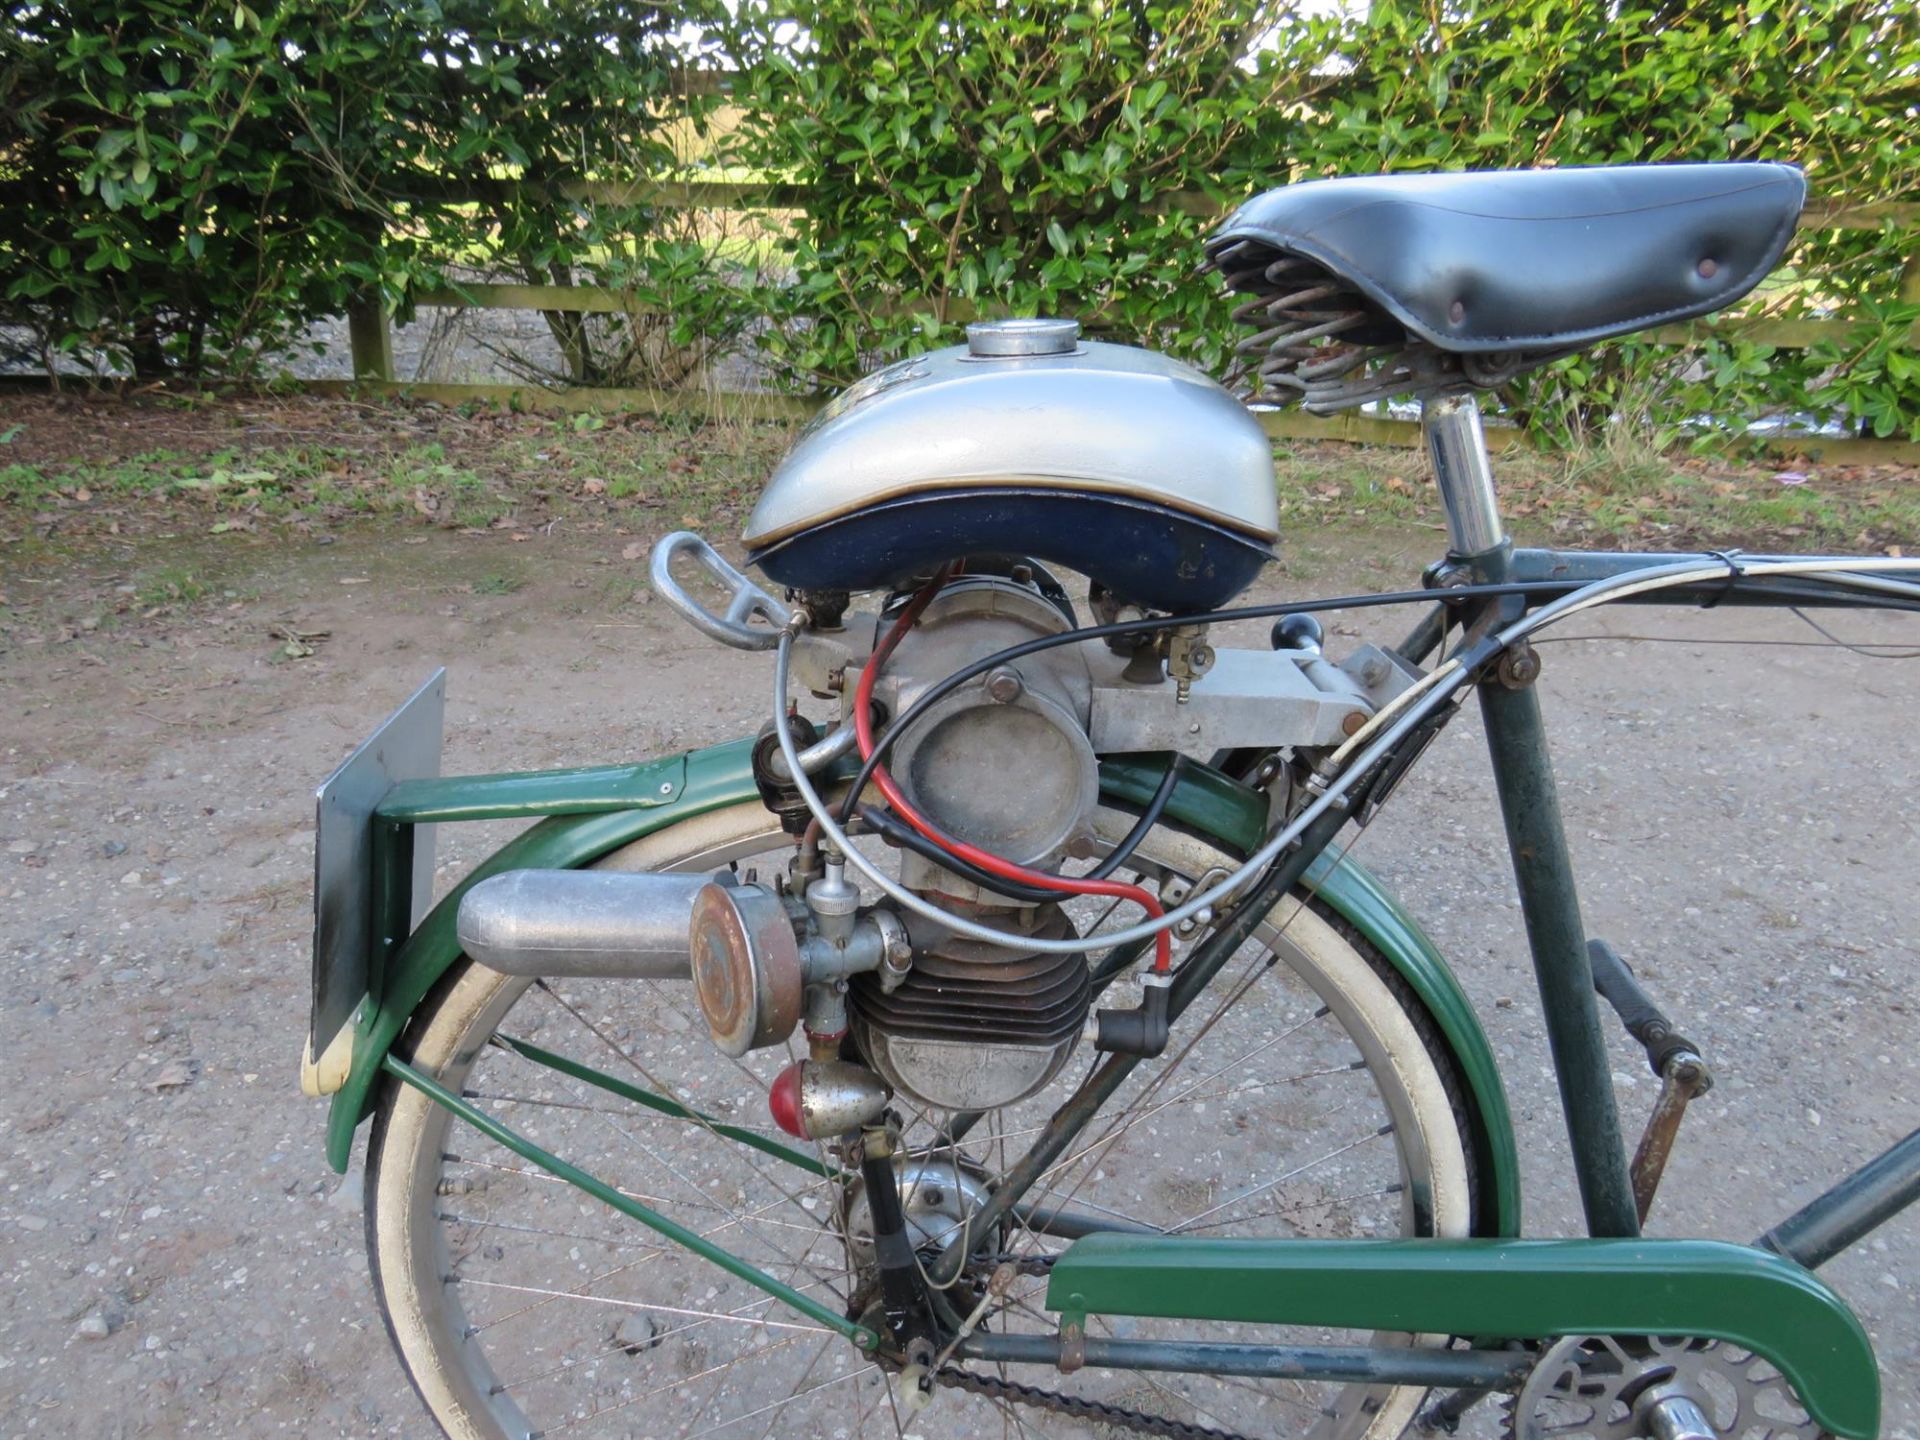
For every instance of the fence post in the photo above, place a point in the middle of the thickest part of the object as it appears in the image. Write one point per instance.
(370, 337)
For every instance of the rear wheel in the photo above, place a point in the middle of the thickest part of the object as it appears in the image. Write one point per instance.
(1307, 1094)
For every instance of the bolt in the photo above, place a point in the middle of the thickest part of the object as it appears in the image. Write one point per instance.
(666, 788)
(1519, 667)
(1352, 721)
(1004, 686)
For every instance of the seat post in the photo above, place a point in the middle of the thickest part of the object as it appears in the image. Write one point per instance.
(1457, 445)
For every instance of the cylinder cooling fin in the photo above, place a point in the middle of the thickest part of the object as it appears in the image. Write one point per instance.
(973, 1026)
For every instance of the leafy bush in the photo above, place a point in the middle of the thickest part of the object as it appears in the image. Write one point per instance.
(156, 214)
(1025, 156)
(1005, 155)
(189, 183)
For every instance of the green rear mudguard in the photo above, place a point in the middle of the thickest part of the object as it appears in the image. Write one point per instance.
(585, 814)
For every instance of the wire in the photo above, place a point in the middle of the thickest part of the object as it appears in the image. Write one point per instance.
(981, 859)
(897, 832)
(1869, 650)
(1571, 602)
(1149, 817)
(1909, 598)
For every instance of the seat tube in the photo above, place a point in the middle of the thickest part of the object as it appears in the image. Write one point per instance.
(1536, 836)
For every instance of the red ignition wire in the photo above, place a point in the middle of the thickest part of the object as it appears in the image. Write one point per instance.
(973, 854)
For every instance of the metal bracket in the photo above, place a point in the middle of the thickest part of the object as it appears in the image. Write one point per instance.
(744, 598)
(1073, 1343)
(1518, 666)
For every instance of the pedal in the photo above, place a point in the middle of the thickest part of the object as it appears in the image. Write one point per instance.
(1684, 1074)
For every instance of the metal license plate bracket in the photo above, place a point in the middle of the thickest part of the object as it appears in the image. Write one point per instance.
(406, 747)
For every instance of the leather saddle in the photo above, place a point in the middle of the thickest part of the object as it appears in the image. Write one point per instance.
(1422, 282)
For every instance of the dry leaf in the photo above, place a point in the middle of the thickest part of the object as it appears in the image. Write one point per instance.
(634, 551)
(174, 1075)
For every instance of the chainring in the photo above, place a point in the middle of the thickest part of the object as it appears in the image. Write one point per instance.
(1585, 1386)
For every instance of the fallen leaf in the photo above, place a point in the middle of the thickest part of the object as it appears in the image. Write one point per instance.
(633, 551)
(174, 1075)
(594, 487)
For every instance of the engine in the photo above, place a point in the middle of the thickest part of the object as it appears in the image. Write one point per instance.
(1003, 762)
(1026, 445)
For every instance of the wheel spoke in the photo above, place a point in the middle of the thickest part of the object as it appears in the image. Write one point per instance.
(757, 1322)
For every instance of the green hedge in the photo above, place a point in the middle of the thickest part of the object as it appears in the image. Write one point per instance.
(185, 185)
(1017, 155)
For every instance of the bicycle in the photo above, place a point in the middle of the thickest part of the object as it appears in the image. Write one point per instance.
(897, 929)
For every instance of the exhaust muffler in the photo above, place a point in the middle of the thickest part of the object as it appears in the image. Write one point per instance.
(752, 971)
(602, 923)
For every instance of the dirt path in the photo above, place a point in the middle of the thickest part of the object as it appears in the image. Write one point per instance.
(1743, 819)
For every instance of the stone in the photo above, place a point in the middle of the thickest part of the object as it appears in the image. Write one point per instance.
(93, 1327)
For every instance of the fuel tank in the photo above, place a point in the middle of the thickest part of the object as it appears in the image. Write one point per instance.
(1130, 467)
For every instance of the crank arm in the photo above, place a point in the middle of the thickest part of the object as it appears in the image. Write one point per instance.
(1685, 1078)
(1684, 1075)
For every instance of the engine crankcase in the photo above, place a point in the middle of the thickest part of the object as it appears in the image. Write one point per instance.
(1004, 761)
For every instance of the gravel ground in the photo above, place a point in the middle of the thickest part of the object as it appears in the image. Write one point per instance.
(178, 1257)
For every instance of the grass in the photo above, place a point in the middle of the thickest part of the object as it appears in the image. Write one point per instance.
(1617, 496)
(171, 585)
(219, 467)
(480, 470)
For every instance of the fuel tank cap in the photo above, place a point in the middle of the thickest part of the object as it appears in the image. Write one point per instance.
(1022, 336)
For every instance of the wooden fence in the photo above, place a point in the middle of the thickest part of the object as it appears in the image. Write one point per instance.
(372, 343)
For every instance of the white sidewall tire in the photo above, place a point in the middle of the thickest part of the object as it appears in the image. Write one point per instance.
(456, 1019)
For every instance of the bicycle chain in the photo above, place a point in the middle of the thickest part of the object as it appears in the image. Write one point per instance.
(1076, 1408)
